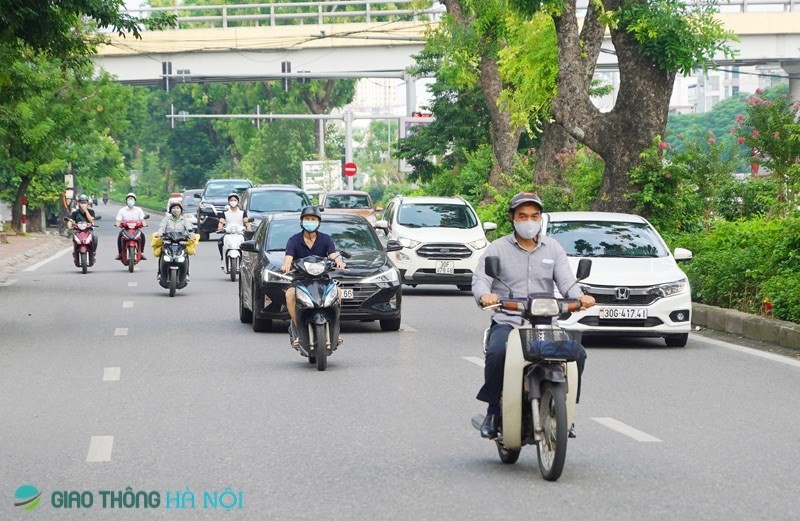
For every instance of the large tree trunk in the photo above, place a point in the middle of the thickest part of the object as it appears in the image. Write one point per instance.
(319, 105)
(555, 140)
(16, 208)
(639, 115)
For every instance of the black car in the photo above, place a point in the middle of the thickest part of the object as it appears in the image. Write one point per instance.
(262, 200)
(370, 282)
(213, 202)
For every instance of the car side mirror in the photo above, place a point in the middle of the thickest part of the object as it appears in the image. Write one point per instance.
(249, 246)
(489, 226)
(393, 245)
(683, 255)
(584, 269)
(493, 267)
(383, 224)
(198, 196)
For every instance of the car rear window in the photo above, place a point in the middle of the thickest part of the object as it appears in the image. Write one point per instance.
(346, 235)
(224, 188)
(351, 202)
(607, 239)
(277, 201)
(419, 215)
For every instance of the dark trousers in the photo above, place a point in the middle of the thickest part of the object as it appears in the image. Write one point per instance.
(219, 244)
(493, 372)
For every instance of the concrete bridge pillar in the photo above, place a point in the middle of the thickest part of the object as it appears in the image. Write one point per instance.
(792, 68)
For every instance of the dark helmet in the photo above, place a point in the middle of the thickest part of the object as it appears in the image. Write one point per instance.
(82, 198)
(174, 204)
(522, 198)
(234, 194)
(311, 210)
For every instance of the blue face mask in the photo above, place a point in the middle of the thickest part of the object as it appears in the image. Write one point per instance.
(131, 202)
(310, 226)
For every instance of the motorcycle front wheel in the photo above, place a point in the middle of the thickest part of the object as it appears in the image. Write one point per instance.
(131, 258)
(84, 261)
(319, 346)
(507, 456)
(173, 282)
(552, 449)
(233, 267)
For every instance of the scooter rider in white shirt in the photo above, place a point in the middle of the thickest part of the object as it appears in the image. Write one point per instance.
(234, 216)
(129, 212)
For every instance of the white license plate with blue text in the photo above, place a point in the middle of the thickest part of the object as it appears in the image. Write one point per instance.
(445, 267)
(623, 313)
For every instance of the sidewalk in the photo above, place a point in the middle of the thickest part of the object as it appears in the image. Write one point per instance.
(16, 249)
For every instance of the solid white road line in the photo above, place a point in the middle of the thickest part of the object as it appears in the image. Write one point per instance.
(132, 284)
(627, 430)
(111, 374)
(121, 331)
(406, 327)
(100, 448)
(127, 303)
(475, 360)
(49, 259)
(749, 350)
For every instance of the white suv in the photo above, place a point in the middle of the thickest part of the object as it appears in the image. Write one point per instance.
(442, 239)
(639, 288)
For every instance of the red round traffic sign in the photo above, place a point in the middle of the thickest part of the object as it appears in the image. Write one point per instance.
(350, 169)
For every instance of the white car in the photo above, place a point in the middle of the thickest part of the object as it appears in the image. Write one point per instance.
(442, 239)
(635, 279)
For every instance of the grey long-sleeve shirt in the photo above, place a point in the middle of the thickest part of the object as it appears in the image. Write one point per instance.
(525, 272)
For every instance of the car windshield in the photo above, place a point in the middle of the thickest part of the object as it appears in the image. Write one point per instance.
(430, 215)
(223, 188)
(277, 201)
(190, 201)
(351, 202)
(350, 236)
(607, 239)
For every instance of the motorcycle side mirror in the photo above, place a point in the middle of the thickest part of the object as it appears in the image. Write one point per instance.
(248, 246)
(493, 267)
(345, 254)
(98, 217)
(393, 245)
(584, 268)
(147, 216)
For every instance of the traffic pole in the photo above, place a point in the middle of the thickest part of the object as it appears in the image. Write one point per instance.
(24, 213)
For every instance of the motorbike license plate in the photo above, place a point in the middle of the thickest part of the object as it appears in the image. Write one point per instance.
(445, 267)
(624, 313)
(347, 293)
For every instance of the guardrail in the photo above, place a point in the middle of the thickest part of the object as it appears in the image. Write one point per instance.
(367, 11)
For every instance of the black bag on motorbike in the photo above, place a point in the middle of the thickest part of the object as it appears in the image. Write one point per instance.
(569, 350)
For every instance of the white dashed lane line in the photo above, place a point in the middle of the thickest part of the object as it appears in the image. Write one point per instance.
(100, 449)
(111, 374)
(475, 360)
(8, 282)
(627, 430)
(121, 331)
(127, 304)
(132, 284)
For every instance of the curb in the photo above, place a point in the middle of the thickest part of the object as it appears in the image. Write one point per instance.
(782, 333)
(48, 246)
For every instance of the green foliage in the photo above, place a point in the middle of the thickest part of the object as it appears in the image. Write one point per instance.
(783, 292)
(677, 36)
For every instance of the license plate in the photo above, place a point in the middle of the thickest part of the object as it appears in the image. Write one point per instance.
(624, 313)
(445, 267)
(347, 293)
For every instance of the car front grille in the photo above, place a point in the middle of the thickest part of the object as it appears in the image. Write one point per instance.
(620, 322)
(361, 292)
(622, 295)
(444, 251)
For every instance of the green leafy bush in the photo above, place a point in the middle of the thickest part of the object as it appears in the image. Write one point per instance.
(783, 291)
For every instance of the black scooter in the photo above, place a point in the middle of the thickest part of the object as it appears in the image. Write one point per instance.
(317, 308)
(173, 264)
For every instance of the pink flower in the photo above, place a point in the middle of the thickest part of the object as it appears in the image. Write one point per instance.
(740, 119)
(740, 140)
(756, 133)
(732, 131)
(663, 145)
(759, 91)
(711, 141)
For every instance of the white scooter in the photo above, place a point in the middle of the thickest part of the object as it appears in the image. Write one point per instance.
(540, 379)
(231, 249)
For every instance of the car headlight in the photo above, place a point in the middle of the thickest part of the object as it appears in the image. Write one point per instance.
(330, 296)
(274, 276)
(670, 288)
(478, 245)
(303, 296)
(407, 243)
(389, 275)
(314, 268)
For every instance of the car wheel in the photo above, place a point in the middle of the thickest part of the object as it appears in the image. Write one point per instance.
(677, 340)
(245, 315)
(260, 325)
(390, 324)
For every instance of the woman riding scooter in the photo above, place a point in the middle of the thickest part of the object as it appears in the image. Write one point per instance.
(175, 221)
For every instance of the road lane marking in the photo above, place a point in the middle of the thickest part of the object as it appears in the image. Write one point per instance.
(111, 374)
(121, 331)
(627, 430)
(127, 303)
(49, 259)
(475, 360)
(406, 327)
(132, 284)
(750, 351)
(100, 448)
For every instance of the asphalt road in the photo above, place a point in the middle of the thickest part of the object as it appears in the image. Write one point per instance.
(107, 383)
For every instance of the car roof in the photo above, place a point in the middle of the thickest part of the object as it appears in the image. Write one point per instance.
(192, 191)
(347, 192)
(261, 188)
(432, 200)
(595, 216)
(229, 181)
(333, 217)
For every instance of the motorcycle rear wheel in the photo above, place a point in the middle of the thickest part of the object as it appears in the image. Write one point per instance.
(84, 261)
(131, 258)
(319, 346)
(552, 449)
(173, 282)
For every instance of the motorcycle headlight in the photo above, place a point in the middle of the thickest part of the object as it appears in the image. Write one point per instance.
(389, 275)
(331, 294)
(274, 276)
(478, 245)
(670, 288)
(407, 243)
(180, 258)
(304, 297)
(314, 268)
(167, 258)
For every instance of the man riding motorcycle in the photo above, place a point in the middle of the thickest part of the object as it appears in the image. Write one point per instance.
(84, 213)
(530, 263)
(129, 212)
(304, 244)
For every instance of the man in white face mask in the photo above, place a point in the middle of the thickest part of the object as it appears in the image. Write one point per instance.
(529, 263)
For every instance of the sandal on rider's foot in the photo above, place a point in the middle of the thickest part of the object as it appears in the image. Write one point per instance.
(340, 341)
